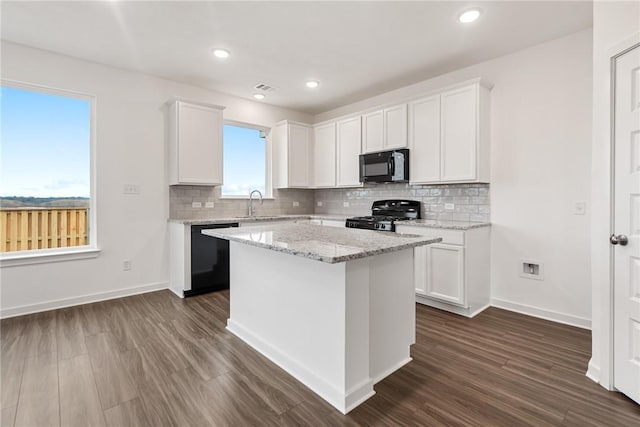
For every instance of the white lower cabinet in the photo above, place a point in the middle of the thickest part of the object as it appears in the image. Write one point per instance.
(452, 275)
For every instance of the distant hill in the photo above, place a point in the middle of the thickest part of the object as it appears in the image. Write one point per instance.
(43, 202)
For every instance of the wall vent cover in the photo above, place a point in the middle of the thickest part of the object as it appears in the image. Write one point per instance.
(264, 87)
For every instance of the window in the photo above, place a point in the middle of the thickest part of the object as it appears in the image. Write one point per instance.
(45, 175)
(245, 160)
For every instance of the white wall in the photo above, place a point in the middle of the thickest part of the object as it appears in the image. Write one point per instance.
(613, 22)
(540, 165)
(130, 149)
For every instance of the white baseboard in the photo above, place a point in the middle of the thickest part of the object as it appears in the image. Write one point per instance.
(593, 372)
(344, 401)
(84, 299)
(554, 316)
(177, 292)
(452, 308)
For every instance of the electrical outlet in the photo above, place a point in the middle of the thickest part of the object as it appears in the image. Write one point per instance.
(196, 205)
(296, 204)
(345, 204)
(319, 203)
(209, 205)
(131, 189)
(449, 206)
(126, 265)
(579, 208)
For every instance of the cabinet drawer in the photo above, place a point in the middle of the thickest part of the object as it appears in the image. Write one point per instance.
(450, 237)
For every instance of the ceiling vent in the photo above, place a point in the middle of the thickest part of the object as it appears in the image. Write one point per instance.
(263, 87)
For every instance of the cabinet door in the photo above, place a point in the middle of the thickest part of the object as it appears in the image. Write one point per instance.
(445, 273)
(199, 134)
(280, 158)
(420, 269)
(324, 155)
(348, 151)
(424, 140)
(459, 126)
(299, 155)
(395, 127)
(373, 131)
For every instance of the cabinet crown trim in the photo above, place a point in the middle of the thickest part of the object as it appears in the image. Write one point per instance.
(477, 80)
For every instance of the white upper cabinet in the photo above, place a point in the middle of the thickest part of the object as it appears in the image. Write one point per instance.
(348, 146)
(459, 126)
(292, 162)
(449, 136)
(395, 127)
(385, 129)
(424, 140)
(324, 155)
(195, 143)
(373, 131)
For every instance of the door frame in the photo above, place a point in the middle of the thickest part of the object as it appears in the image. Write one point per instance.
(602, 271)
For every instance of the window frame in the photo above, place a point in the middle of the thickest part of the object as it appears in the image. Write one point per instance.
(92, 250)
(268, 184)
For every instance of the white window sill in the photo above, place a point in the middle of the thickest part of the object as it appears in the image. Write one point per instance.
(13, 259)
(245, 198)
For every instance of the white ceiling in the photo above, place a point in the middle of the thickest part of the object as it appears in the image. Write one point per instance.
(354, 49)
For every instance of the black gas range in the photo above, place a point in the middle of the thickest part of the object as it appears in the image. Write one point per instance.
(385, 214)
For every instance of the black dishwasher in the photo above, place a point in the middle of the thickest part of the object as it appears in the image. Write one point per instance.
(209, 260)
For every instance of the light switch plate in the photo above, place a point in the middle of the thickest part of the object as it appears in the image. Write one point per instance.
(209, 205)
(196, 205)
(319, 203)
(131, 189)
(296, 204)
(345, 204)
(580, 208)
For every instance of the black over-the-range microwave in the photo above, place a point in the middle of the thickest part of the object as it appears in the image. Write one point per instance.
(385, 166)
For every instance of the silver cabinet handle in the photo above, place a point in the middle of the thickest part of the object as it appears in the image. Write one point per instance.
(620, 239)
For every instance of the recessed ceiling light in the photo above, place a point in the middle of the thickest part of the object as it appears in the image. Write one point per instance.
(220, 53)
(312, 84)
(469, 16)
(258, 96)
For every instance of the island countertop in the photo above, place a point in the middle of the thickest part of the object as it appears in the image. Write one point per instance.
(327, 244)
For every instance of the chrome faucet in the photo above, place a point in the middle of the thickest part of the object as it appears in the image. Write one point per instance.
(251, 208)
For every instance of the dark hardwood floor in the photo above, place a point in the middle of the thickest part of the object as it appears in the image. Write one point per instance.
(154, 360)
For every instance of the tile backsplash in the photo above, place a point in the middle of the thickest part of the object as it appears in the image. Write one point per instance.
(457, 202)
(181, 198)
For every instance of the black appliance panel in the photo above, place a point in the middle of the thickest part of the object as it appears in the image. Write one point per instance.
(385, 166)
(209, 260)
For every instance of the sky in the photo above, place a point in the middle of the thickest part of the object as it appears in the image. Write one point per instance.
(44, 144)
(244, 161)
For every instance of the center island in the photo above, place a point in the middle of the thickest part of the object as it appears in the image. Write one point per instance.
(334, 307)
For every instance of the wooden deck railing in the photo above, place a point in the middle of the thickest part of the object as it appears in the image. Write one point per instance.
(41, 228)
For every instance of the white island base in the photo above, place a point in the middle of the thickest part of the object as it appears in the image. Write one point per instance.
(337, 328)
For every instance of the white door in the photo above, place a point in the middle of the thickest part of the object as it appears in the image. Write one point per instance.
(299, 156)
(325, 156)
(349, 137)
(373, 132)
(459, 133)
(395, 127)
(626, 237)
(445, 273)
(424, 140)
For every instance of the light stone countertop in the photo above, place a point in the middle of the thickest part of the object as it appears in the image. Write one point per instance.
(327, 244)
(429, 223)
(451, 225)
